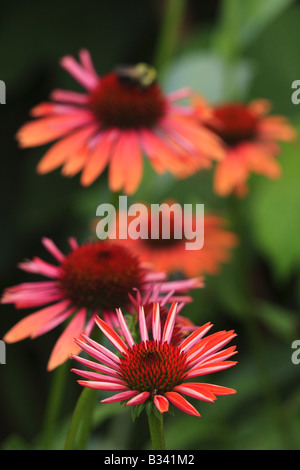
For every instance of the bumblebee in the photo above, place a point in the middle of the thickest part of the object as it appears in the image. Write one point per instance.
(141, 75)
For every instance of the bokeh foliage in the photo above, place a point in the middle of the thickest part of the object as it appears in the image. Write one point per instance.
(236, 49)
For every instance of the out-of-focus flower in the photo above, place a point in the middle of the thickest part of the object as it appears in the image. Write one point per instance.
(251, 139)
(155, 369)
(168, 252)
(93, 278)
(122, 116)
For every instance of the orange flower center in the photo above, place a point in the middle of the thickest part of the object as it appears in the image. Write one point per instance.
(100, 276)
(122, 101)
(234, 123)
(153, 367)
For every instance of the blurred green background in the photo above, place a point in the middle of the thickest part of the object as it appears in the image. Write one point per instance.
(239, 49)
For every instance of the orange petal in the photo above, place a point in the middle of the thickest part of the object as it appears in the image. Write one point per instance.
(44, 130)
(97, 159)
(65, 345)
(181, 403)
(63, 149)
(32, 323)
(231, 172)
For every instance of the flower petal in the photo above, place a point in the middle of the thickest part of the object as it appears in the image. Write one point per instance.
(161, 403)
(181, 403)
(65, 345)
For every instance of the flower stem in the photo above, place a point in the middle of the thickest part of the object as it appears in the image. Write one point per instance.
(79, 429)
(167, 40)
(53, 405)
(156, 428)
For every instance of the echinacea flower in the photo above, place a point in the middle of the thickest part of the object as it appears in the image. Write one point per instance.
(93, 278)
(120, 117)
(154, 369)
(251, 139)
(164, 294)
(168, 250)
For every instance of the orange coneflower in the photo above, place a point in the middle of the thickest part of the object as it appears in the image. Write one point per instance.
(94, 278)
(171, 254)
(153, 368)
(251, 139)
(122, 116)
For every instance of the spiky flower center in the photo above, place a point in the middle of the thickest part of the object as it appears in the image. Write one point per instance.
(153, 367)
(100, 276)
(128, 99)
(235, 123)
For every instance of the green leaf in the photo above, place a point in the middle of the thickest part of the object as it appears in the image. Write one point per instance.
(274, 214)
(207, 73)
(282, 322)
(242, 22)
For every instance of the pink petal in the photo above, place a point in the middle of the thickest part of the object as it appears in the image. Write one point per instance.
(112, 367)
(156, 325)
(111, 335)
(124, 328)
(194, 391)
(52, 248)
(94, 376)
(102, 385)
(67, 96)
(39, 266)
(194, 337)
(142, 325)
(138, 399)
(169, 325)
(81, 74)
(120, 396)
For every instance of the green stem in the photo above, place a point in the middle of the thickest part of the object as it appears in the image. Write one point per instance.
(53, 405)
(80, 426)
(156, 428)
(168, 37)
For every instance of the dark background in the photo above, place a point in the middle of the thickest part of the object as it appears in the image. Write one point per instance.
(262, 48)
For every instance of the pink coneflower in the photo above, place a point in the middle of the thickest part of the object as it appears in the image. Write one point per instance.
(93, 278)
(122, 116)
(154, 369)
(251, 139)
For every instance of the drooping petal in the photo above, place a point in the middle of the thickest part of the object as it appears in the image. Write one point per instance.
(32, 323)
(98, 158)
(121, 396)
(45, 130)
(102, 385)
(65, 345)
(193, 390)
(181, 403)
(161, 403)
(63, 149)
(112, 367)
(138, 399)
